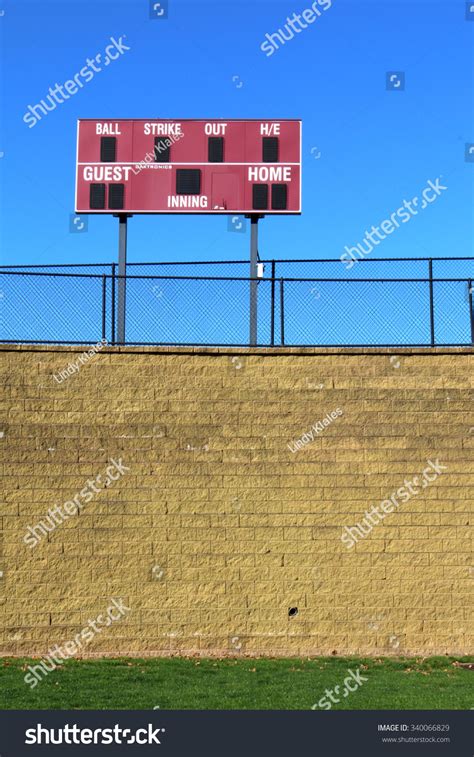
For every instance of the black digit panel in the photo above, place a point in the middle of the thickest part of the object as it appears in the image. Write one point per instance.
(97, 196)
(216, 150)
(279, 196)
(260, 196)
(116, 196)
(162, 151)
(108, 149)
(270, 149)
(188, 181)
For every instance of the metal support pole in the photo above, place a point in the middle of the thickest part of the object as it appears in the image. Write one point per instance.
(112, 309)
(282, 312)
(471, 310)
(432, 323)
(272, 327)
(254, 279)
(122, 272)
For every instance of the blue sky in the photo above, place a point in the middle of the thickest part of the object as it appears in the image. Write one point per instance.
(365, 149)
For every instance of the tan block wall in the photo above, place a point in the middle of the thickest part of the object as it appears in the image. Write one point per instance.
(218, 528)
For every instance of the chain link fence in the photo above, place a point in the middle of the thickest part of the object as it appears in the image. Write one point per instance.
(363, 268)
(62, 305)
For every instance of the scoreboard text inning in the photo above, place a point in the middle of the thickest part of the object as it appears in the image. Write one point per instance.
(189, 166)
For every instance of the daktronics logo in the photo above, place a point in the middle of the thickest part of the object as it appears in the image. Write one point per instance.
(73, 734)
(233, 167)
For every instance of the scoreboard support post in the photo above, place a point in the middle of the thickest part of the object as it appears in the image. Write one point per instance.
(254, 279)
(254, 219)
(122, 273)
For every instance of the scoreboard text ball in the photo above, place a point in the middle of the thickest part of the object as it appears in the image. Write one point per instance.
(171, 166)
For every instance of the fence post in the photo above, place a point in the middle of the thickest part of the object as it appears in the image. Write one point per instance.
(122, 278)
(471, 309)
(432, 323)
(272, 336)
(104, 306)
(282, 313)
(112, 315)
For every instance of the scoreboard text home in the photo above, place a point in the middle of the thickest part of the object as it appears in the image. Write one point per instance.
(188, 166)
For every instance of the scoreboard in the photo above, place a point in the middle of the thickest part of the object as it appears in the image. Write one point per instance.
(188, 166)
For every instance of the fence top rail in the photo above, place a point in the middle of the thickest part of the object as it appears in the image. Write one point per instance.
(104, 276)
(109, 265)
(363, 260)
(238, 262)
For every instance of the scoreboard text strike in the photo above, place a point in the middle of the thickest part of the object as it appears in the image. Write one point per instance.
(171, 166)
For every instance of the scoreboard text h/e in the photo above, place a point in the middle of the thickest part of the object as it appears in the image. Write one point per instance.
(189, 166)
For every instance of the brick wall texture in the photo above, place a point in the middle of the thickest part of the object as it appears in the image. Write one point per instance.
(224, 536)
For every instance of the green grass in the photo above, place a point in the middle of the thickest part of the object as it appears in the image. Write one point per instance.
(263, 684)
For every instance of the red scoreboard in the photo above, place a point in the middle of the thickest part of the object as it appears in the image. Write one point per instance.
(188, 166)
